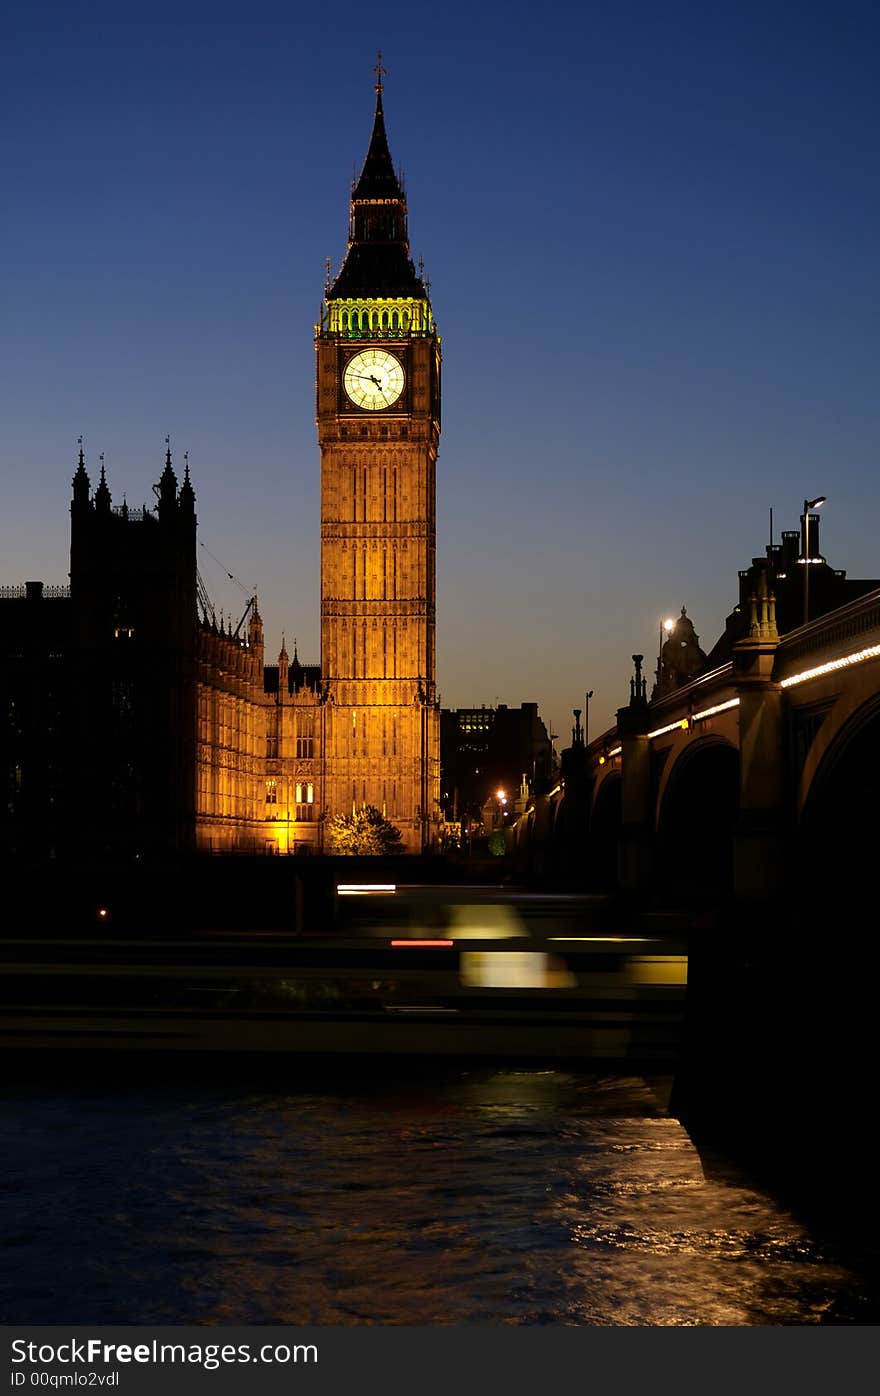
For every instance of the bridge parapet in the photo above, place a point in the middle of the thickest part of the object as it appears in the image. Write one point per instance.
(849, 634)
(699, 693)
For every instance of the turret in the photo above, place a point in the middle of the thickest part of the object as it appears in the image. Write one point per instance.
(762, 611)
(255, 636)
(102, 493)
(167, 487)
(81, 484)
(296, 671)
(187, 497)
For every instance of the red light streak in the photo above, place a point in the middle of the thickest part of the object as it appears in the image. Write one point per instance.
(439, 944)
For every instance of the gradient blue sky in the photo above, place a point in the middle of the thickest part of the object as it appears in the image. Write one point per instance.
(651, 232)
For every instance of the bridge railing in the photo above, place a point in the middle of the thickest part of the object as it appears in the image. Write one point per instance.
(850, 628)
(694, 694)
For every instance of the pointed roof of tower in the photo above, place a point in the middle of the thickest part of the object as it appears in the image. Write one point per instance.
(102, 493)
(80, 479)
(378, 262)
(187, 493)
(378, 179)
(168, 476)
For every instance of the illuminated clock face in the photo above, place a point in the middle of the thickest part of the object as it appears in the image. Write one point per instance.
(373, 379)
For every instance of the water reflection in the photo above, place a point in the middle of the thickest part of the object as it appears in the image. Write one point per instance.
(503, 1197)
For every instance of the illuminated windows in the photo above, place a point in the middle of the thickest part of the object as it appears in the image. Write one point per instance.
(305, 801)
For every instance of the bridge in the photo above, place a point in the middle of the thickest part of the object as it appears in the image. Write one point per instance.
(747, 780)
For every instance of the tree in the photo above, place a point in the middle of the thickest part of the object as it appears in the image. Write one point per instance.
(365, 831)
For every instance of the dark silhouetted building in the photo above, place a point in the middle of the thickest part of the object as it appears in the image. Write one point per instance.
(483, 750)
(680, 658)
(783, 566)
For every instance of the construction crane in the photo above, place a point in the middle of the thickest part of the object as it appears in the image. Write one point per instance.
(248, 608)
(207, 606)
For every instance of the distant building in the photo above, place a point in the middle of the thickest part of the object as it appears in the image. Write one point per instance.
(783, 565)
(484, 750)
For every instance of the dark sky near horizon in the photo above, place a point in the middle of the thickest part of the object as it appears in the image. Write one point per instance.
(651, 232)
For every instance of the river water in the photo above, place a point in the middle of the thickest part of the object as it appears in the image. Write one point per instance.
(433, 1197)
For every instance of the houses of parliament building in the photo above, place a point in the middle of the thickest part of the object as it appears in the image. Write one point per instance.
(136, 726)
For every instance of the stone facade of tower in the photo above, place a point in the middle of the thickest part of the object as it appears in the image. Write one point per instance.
(378, 417)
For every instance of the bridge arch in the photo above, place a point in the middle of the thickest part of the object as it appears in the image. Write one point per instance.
(697, 811)
(852, 708)
(606, 817)
(839, 826)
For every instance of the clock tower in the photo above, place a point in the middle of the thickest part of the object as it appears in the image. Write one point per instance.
(378, 415)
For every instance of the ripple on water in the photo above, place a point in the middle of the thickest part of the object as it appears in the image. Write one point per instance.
(473, 1197)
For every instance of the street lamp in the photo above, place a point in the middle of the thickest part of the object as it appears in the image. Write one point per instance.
(587, 698)
(808, 505)
(665, 627)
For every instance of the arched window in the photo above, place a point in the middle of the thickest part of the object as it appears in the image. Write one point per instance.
(343, 320)
(395, 320)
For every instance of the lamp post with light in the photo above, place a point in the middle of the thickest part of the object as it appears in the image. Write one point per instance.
(808, 505)
(665, 629)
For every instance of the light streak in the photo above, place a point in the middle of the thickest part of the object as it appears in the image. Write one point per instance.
(843, 663)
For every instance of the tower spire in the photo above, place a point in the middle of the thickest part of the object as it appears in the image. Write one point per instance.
(167, 488)
(377, 262)
(81, 480)
(378, 179)
(187, 496)
(102, 493)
